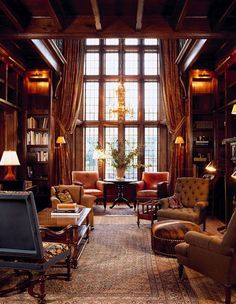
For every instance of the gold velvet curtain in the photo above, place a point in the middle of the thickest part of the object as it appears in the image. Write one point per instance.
(67, 108)
(173, 104)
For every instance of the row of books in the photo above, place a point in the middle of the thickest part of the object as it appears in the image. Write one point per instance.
(40, 122)
(37, 138)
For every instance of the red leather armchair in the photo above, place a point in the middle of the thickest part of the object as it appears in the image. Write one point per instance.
(152, 186)
(91, 183)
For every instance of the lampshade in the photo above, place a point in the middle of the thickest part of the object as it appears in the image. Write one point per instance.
(211, 167)
(60, 140)
(234, 109)
(9, 158)
(179, 140)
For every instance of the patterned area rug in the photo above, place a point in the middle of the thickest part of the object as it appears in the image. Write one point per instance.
(118, 267)
(119, 209)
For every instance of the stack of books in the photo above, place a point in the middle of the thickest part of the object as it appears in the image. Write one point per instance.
(67, 209)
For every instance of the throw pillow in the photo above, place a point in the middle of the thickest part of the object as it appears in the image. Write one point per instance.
(65, 197)
(174, 203)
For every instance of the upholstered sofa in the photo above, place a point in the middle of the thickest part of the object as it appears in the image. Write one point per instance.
(91, 183)
(213, 256)
(78, 196)
(192, 193)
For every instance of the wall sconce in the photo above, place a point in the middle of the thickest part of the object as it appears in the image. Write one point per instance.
(9, 159)
(60, 140)
(234, 109)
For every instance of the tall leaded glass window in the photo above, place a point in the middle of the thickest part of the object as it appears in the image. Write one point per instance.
(135, 64)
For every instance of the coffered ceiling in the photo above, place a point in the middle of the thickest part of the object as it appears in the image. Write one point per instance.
(117, 18)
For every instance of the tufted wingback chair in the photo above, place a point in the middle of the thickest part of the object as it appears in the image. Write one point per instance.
(192, 193)
(151, 184)
(91, 183)
(211, 255)
(78, 196)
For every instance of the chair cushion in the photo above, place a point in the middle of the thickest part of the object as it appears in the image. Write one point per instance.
(187, 214)
(174, 202)
(95, 192)
(53, 249)
(147, 194)
(65, 197)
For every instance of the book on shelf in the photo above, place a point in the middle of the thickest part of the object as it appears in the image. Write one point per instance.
(202, 142)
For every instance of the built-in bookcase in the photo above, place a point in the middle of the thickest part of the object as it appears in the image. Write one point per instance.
(38, 166)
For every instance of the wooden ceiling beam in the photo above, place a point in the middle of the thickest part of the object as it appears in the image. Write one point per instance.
(139, 16)
(19, 21)
(96, 14)
(179, 13)
(219, 14)
(192, 55)
(120, 27)
(45, 51)
(57, 13)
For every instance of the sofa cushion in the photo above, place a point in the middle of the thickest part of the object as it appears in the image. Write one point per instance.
(64, 196)
(186, 214)
(174, 202)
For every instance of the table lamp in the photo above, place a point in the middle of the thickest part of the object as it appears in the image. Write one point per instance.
(9, 159)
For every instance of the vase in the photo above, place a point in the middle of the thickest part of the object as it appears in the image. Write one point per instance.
(120, 173)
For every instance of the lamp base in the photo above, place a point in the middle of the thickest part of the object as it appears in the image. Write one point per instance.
(10, 175)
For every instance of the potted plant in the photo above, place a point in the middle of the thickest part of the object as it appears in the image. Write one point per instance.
(122, 160)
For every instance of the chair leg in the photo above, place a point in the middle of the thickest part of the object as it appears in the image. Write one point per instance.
(181, 271)
(68, 264)
(204, 225)
(227, 294)
(138, 222)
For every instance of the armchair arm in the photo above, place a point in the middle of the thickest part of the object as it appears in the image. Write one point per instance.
(77, 183)
(87, 200)
(201, 204)
(57, 236)
(164, 203)
(211, 243)
(162, 189)
(54, 201)
(139, 185)
(100, 185)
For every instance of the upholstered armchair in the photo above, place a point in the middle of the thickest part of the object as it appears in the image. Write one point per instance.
(78, 196)
(213, 256)
(190, 201)
(153, 185)
(91, 183)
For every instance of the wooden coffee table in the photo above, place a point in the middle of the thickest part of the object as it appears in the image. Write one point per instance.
(80, 231)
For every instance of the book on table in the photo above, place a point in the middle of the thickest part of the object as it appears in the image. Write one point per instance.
(57, 212)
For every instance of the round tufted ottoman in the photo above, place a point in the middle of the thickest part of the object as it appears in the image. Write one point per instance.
(166, 234)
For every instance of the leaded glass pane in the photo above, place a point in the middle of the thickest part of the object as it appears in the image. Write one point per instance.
(131, 142)
(151, 142)
(111, 64)
(151, 100)
(150, 63)
(92, 41)
(92, 64)
(131, 100)
(91, 140)
(91, 95)
(111, 136)
(131, 64)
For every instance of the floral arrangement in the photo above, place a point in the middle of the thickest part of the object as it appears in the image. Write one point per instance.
(122, 160)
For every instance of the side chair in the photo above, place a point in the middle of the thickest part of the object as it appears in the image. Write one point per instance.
(22, 250)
